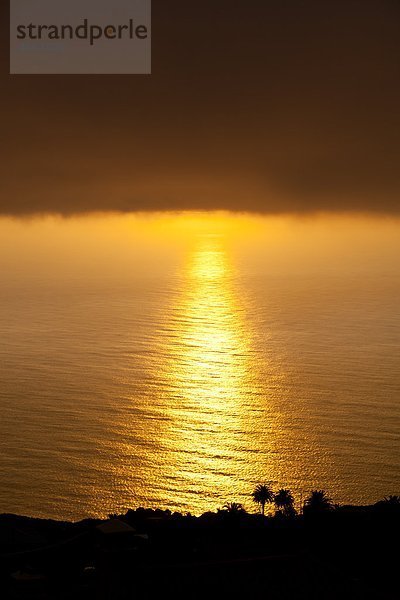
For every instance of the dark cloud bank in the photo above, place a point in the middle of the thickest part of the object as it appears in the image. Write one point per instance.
(270, 106)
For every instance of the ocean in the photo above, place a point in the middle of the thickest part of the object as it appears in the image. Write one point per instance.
(178, 360)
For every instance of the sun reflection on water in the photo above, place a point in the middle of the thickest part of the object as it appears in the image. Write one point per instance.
(211, 378)
(212, 362)
(206, 413)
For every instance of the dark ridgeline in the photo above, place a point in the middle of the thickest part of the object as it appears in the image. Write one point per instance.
(325, 552)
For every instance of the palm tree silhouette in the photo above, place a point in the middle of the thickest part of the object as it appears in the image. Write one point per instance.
(284, 501)
(263, 495)
(317, 502)
(233, 508)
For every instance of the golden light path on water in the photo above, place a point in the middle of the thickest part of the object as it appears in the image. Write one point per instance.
(209, 370)
(223, 429)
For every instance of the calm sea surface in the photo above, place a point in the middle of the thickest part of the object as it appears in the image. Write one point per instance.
(177, 361)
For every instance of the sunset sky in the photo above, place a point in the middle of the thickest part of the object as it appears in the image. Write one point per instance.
(199, 267)
(279, 106)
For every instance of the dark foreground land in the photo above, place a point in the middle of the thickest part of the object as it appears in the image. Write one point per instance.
(349, 552)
